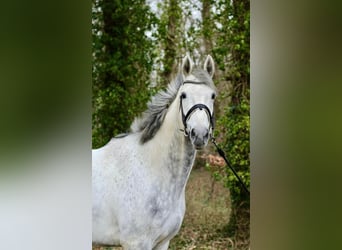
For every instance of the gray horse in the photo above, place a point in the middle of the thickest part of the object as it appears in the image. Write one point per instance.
(139, 179)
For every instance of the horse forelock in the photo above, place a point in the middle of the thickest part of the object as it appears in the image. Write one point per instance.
(152, 119)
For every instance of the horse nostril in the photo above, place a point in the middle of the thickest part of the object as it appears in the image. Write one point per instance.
(193, 132)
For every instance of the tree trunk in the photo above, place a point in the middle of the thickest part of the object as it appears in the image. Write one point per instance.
(207, 27)
(173, 13)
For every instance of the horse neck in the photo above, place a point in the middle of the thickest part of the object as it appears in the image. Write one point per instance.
(172, 152)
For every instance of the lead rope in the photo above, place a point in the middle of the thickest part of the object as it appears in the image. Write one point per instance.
(221, 153)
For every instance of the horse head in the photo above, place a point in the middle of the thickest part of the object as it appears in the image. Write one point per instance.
(197, 95)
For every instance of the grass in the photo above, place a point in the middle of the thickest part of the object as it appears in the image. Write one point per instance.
(207, 215)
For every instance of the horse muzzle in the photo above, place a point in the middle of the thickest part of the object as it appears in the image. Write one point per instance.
(199, 137)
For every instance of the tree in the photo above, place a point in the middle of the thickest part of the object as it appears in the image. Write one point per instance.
(123, 57)
(207, 27)
(232, 54)
(169, 39)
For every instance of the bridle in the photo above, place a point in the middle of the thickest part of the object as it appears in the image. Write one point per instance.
(193, 109)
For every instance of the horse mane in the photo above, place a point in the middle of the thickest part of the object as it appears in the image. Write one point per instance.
(152, 119)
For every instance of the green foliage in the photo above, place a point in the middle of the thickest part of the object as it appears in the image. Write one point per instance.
(232, 57)
(237, 148)
(235, 125)
(168, 38)
(232, 44)
(122, 62)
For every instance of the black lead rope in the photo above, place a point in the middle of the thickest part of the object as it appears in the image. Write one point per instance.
(221, 153)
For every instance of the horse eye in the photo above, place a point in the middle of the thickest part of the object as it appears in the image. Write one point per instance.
(183, 95)
(213, 96)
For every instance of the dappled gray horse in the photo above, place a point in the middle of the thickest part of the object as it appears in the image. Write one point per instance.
(139, 178)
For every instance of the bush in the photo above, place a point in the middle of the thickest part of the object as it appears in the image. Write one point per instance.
(236, 125)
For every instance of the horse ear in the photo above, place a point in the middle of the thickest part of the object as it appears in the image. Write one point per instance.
(209, 66)
(187, 65)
